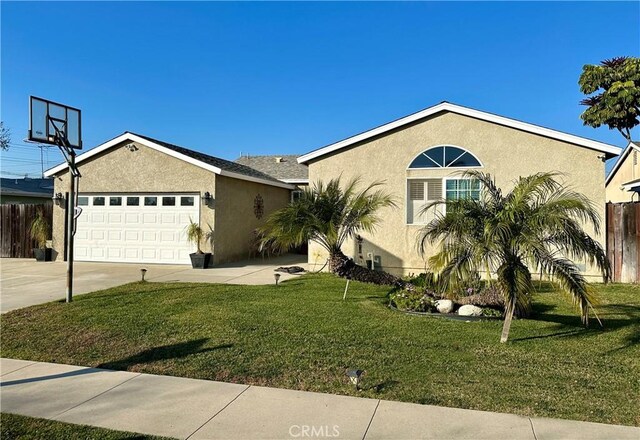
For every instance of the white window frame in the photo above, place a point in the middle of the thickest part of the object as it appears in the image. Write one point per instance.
(446, 168)
(295, 191)
(444, 194)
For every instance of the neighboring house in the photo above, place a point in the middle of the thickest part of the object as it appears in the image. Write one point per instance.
(26, 191)
(138, 194)
(284, 168)
(421, 157)
(623, 182)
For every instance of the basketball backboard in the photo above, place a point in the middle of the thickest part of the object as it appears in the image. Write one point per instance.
(52, 123)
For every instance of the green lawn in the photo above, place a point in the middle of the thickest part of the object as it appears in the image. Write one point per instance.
(301, 335)
(28, 428)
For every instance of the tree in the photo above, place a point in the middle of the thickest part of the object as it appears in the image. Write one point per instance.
(5, 137)
(615, 88)
(538, 223)
(329, 215)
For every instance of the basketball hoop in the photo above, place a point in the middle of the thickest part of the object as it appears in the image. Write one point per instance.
(60, 125)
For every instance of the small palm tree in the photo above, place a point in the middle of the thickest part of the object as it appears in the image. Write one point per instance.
(39, 229)
(329, 214)
(537, 224)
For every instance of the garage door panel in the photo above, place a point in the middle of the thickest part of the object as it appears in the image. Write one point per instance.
(135, 233)
(115, 235)
(97, 234)
(149, 236)
(132, 254)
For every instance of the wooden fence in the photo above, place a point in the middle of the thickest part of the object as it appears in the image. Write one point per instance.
(623, 241)
(15, 241)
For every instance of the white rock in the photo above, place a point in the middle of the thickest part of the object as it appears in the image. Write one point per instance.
(469, 310)
(444, 306)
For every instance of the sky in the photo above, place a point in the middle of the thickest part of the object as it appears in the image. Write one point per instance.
(287, 78)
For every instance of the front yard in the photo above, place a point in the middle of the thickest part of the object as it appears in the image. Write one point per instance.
(301, 335)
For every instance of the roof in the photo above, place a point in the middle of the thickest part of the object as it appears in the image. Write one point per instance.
(27, 187)
(632, 146)
(285, 168)
(214, 164)
(609, 150)
(632, 185)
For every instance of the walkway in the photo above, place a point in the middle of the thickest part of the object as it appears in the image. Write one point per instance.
(26, 282)
(201, 409)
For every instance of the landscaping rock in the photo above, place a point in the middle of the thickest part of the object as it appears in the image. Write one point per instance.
(469, 310)
(444, 306)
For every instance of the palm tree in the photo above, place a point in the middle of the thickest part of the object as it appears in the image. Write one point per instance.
(537, 224)
(329, 214)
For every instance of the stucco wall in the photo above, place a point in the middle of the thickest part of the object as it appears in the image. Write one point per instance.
(506, 154)
(626, 172)
(119, 170)
(235, 217)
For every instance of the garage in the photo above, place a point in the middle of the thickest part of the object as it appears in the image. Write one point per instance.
(141, 228)
(138, 194)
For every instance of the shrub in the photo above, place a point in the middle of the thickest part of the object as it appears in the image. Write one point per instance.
(415, 301)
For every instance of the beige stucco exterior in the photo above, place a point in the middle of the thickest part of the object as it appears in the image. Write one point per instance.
(506, 153)
(124, 170)
(237, 220)
(627, 170)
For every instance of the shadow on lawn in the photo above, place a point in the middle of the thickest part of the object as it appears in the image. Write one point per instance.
(165, 352)
(571, 326)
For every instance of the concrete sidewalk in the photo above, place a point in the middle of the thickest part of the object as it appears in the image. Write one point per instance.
(201, 409)
(26, 282)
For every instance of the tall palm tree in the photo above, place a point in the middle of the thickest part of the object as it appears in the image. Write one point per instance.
(329, 214)
(537, 224)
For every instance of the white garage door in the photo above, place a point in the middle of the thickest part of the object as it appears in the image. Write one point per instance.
(135, 228)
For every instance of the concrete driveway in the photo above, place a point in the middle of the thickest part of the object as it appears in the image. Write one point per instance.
(25, 282)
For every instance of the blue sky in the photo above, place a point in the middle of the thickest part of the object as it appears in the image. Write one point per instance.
(269, 78)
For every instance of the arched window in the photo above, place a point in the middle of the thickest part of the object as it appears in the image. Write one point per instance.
(445, 156)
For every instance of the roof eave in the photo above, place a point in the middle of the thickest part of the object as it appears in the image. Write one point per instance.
(128, 136)
(446, 106)
(623, 155)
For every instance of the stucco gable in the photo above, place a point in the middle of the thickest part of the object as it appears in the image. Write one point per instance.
(446, 107)
(621, 160)
(210, 163)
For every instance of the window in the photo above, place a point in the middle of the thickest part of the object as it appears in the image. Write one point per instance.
(168, 201)
(295, 195)
(420, 193)
(133, 201)
(150, 201)
(462, 189)
(98, 201)
(445, 157)
(83, 201)
(115, 201)
(187, 201)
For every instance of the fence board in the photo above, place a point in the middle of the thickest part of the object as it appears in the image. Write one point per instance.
(623, 241)
(15, 220)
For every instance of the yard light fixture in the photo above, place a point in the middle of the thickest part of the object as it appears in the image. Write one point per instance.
(207, 198)
(58, 198)
(143, 272)
(355, 376)
(277, 277)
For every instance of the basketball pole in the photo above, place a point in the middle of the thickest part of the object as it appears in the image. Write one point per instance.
(70, 223)
(70, 155)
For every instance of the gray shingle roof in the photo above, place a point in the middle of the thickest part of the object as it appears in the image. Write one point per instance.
(27, 187)
(286, 168)
(223, 164)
